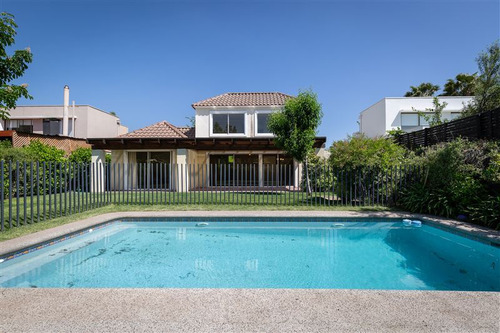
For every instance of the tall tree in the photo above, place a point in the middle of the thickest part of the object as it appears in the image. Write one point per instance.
(487, 88)
(11, 66)
(422, 90)
(295, 125)
(462, 85)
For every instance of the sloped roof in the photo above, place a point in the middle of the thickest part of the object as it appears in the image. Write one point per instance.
(162, 129)
(188, 131)
(245, 99)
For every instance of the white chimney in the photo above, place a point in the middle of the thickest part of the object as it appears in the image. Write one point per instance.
(65, 110)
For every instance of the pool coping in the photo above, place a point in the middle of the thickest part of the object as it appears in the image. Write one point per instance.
(33, 240)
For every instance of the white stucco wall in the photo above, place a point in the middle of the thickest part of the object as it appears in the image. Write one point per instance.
(90, 122)
(203, 120)
(386, 114)
(372, 120)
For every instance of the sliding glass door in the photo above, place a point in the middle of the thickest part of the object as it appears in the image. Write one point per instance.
(153, 170)
(234, 170)
(243, 170)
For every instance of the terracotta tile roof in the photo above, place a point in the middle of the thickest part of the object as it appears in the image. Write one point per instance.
(245, 99)
(188, 131)
(162, 129)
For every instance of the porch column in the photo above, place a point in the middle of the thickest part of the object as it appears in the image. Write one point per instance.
(297, 177)
(182, 180)
(261, 176)
(98, 177)
(125, 169)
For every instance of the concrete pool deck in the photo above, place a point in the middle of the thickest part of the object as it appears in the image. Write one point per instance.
(244, 310)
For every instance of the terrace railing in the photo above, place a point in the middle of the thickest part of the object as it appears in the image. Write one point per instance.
(37, 191)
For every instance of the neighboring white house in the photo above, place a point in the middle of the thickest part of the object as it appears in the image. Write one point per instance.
(402, 112)
(78, 121)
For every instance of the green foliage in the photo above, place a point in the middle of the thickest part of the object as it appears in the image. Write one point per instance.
(434, 116)
(361, 152)
(44, 153)
(295, 125)
(11, 66)
(192, 122)
(463, 85)
(107, 158)
(460, 177)
(320, 170)
(394, 133)
(487, 87)
(8, 153)
(422, 90)
(81, 155)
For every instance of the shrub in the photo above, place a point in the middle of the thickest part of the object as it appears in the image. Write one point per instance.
(44, 153)
(81, 155)
(9, 153)
(361, 152)
(320, 173)
(461, 178)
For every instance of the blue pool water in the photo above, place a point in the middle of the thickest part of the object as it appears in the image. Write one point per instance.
(358, 255)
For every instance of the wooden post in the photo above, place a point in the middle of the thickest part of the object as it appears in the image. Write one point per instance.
(478, 125)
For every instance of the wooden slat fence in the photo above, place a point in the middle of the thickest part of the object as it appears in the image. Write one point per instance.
(485, 126)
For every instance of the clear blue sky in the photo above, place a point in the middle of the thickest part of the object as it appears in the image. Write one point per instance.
(150, 60)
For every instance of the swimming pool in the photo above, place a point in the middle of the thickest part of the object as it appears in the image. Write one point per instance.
(261, 253)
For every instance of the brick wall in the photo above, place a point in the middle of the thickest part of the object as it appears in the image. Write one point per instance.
(65, 143)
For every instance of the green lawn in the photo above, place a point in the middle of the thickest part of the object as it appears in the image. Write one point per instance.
(28, 227)
(46, 207)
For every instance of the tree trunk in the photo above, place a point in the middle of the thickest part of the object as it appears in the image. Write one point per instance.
(308, 181)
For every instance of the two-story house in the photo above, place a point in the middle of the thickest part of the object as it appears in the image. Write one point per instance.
(74, 121)
(230, 145)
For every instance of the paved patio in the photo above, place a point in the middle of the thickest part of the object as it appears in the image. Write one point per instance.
(246, 310)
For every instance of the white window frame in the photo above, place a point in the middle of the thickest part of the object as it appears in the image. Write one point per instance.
(225, 135)
(419, 118)
(256, 122)
(457, 113)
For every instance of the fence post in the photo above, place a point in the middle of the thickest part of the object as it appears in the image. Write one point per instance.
(25, 211)
(478, 126)
(31, 190)
(2, 204)
(491, 136)
(17, 193)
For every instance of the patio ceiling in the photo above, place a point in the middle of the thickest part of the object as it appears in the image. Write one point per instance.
(189, 143)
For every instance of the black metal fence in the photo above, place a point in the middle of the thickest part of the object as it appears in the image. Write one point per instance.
(38, 191)
(484, 125)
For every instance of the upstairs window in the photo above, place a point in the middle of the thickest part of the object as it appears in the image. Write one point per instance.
(411, 120)
(262, 122)
(25, 126)
(226, 123)
(52, 126)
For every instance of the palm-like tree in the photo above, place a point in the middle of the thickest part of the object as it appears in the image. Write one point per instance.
(423, 90)
(463, 85)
